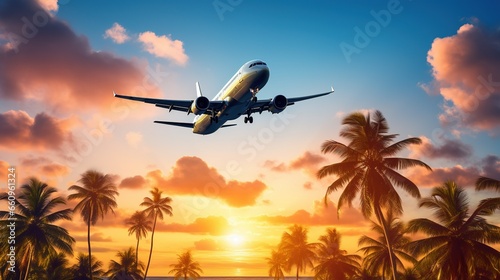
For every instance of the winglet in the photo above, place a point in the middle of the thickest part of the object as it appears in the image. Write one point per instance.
(114, 93)
(333, 90)
(198, 90)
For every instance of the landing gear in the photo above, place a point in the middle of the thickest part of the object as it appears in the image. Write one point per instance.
(214, 118)
(248, 119)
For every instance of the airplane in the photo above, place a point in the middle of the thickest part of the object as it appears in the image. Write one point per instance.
(236, 98)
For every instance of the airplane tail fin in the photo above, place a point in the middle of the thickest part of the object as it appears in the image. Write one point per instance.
(198, 90)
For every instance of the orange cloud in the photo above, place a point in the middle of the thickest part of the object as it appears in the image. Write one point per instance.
(95, 237)
(54, 65)
(192, 176)
(308, 162)
(321, 216)
(164, 47)
(19, 131)
(136, 182)
(210, 225)
(207, 244)
(466, 70)
(3, 168)
(117, 33)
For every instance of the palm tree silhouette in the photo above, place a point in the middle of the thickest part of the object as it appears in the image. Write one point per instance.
(155, 208)
(82, 271)
(483, 183)
(457, 244)
(298, 252)
(96, 198)
(186, 267)
(334, 263)
(57, 268)
(376, 254)
(36, 235)
(368, 167)
(139, 225)
(277, 262)
(126, 268)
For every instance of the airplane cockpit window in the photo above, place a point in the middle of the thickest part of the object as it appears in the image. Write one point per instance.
(257, 63)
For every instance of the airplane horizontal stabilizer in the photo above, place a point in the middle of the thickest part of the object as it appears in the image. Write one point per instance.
(188, 125)
(228, 125)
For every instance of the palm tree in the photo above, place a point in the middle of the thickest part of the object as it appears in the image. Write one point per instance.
(186, 267)
(36, 235)
(457, 244)
(334, 263)
(126, 268)
(298, 252)
(82, 271)
(368, 167)
(155, 208)
(140, 225)
(96, 198)
(57, 268)
(277, 262)
(487, 183)
(377, 255)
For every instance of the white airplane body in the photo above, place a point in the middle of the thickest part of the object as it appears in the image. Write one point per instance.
(236, 98)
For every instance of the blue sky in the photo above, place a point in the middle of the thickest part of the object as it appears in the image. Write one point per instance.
(302, 45)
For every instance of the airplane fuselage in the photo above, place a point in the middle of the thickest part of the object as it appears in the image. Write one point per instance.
(237, 95)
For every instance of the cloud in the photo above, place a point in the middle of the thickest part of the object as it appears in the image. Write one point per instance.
(463, 176)
(466, 71)
(19, 131)
(136, 182)
(45, 166)
(49, 63)
(449, 149)
(321, 216)
(95, 237)
(308, 162)
(207, 244)
(164, 47)
(213, 225)
(117, 33)
(192, 176)
(49, 5)
(133, 138)
(308, 186)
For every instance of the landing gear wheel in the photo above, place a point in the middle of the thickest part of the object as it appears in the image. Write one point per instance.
(250, 119)
(245, 120)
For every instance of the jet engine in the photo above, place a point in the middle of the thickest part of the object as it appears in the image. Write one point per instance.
(278, 104)
(200, 105)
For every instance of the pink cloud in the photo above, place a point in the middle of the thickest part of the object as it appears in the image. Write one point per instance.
(192, 176)
(164, 47)
(117, 33)
(448, 149)
(45, 166)
(53, 65)
(466, 71)
(309, 162)
(19, 131)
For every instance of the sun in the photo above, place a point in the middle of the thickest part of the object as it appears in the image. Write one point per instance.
(235, 239)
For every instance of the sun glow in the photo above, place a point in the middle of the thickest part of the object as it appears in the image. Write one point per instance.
(235, 239)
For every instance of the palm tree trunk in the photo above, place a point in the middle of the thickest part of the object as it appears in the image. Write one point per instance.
(90, 251)
(151, 249)
(297, 272)
(380, 217)
(28, 266)
(137, 254)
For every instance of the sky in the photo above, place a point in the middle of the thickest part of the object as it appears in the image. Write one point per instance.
(432, 69)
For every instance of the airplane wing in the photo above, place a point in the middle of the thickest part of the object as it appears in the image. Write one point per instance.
(266, 104)
(170, 104)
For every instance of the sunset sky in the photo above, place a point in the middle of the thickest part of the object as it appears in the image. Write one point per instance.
(433, 70)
